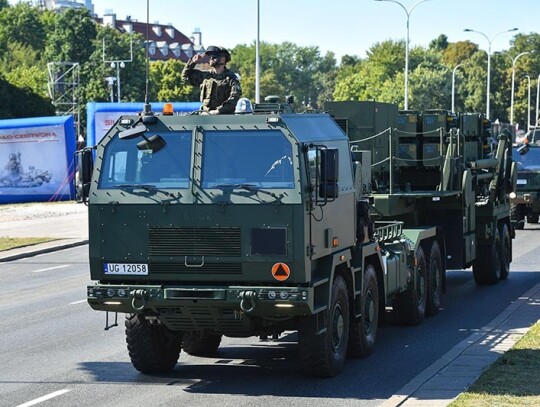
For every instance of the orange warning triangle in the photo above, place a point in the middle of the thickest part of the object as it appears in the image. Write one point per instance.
(281, 271)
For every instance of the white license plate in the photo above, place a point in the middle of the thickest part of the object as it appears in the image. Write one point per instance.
(521, 182)
(126, 268)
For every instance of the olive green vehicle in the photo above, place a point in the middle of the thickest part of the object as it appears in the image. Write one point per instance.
(526, 199)
(250, 225)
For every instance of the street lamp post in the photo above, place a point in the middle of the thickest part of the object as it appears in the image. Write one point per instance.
(454, 84)
(537, 100)
(118, 64)
(513, 78)
(528, 102)
(257, 60)
(489, 40)
(408, 13)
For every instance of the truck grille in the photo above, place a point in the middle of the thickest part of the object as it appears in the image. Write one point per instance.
(210, 268)
(213, 241)
(188, 318)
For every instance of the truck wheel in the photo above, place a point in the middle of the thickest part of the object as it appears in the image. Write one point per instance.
(516, 214)
(506, 252)
(435, 280)
(410, 305)
(197, 343)
(323, 355)
(487, 266)
(152, 348)
(364, 331)
(532, 218)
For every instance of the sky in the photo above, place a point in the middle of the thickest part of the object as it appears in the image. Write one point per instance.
(346, 27)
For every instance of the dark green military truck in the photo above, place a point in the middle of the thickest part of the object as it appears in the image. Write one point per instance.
(526, 199)
(249, 225)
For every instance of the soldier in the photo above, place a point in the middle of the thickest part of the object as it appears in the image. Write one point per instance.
(13, 170)
(220, 87)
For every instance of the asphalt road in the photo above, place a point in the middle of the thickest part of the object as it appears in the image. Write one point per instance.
(55, 352)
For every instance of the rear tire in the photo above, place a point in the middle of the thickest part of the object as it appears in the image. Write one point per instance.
(324, 355)
(435, 280)
(364, 331)
(506, 252)
(197, 343)
(152, 348)
(410, 305)
(487, 266)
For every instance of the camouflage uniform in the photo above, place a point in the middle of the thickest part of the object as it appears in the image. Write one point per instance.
(218, 91)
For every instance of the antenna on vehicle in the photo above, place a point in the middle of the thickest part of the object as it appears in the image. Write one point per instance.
(148, 115)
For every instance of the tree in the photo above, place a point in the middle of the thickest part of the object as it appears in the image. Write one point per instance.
(18, 103)
(166, 83)
(22, 24)
(286, 69)
(439, 44)
(71, 37)
(458, 52)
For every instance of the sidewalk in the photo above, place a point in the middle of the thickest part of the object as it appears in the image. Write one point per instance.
(454, 372)
(438, 385)
(65, 221)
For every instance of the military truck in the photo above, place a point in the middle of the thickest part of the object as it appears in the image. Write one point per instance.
(248, 225)
(526, 198)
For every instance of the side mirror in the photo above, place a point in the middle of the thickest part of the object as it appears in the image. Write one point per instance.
(85, 167)
(328, 186)
(154, 143)
(523, 149)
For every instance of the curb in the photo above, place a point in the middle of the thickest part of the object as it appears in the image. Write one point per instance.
(30, 251)
(443, 381)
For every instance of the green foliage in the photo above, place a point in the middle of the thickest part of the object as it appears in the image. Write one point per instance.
(286, 69)
(71, 36)
(22, 24)
(18, 103)
(166, 83)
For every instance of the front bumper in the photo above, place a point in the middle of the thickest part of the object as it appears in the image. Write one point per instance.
(193, 307)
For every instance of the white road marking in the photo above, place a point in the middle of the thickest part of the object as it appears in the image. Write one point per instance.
(77, 302)
(51, 268)
(43, 398)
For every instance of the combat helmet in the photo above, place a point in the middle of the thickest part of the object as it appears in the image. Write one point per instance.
(214, 50)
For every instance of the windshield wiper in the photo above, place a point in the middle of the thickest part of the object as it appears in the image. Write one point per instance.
(248, 187)
(146, 187)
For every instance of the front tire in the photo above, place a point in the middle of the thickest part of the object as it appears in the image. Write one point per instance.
(323, 354)
(152, 348)
(364, 331)
(197, 343)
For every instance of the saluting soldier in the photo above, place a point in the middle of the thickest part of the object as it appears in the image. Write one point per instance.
(220, 87)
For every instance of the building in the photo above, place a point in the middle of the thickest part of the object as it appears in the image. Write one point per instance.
(164, 41)
(63, 4)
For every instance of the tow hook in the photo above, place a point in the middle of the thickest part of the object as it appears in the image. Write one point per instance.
(138, 295)
(247, 303)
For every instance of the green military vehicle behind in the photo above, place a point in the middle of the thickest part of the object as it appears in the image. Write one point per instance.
(247, 225)
(526, 199)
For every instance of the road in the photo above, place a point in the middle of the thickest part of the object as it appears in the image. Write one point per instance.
(55, 351)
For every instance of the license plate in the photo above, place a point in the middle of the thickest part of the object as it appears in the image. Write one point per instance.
(521, 182)
(126, 269)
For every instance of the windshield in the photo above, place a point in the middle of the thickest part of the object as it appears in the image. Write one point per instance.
(124, 164)
(251, 158)
(529, 161)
